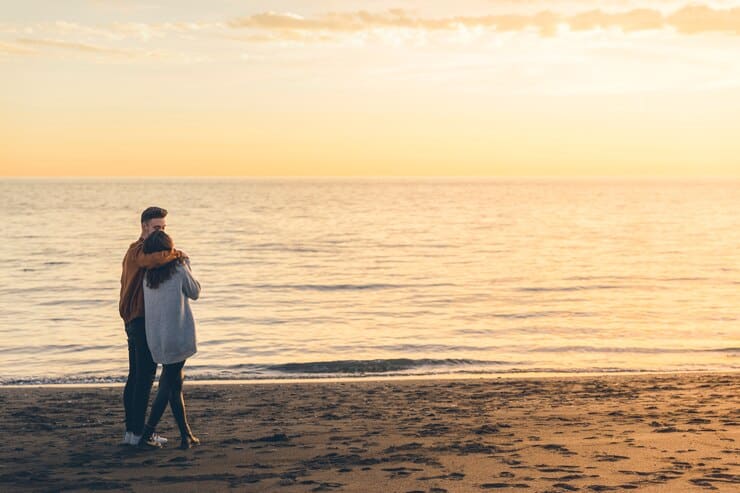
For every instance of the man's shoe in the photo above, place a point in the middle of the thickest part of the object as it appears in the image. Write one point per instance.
(133, 439)
(159, 439)
(126, 438)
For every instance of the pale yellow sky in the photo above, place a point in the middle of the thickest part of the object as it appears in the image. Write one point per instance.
(404, 87)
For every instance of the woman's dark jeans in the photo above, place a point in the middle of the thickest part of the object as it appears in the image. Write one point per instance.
(141, 372)
(170, 391)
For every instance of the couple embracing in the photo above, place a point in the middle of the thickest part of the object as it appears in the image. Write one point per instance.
(156, 284)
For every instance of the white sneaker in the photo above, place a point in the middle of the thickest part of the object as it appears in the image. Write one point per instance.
(159, 438)
(133, 439)
(126, 438)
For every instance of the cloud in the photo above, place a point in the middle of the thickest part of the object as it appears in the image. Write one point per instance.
(696, 19)
(146, 32)
(105, 51)
(116, 41)
(336, 22)
(398, 26)
(14, 49)
(117, 31)
(352, 22)
(688, 20)
(633, 20)
(65, 45)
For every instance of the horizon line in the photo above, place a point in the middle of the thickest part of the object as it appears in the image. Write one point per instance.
(298, 177)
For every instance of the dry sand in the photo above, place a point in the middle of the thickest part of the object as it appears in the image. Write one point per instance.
(613, 433)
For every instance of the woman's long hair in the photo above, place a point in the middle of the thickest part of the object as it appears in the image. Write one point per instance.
(159, 241)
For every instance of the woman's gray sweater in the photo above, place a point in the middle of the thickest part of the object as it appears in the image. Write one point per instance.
(170, 328)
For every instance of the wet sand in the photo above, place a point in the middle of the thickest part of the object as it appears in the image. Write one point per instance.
(669, 433)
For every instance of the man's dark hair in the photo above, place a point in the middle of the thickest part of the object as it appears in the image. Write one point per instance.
(153, 213)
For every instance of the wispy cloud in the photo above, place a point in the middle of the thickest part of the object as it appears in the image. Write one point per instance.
(65, 45)
(352, 22)
(198, 40)
(14, 49)
(117, 41)
(697, 19)
(689, 20)
(144, 31)
(35, 46)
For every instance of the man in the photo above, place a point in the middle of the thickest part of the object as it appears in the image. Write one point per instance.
(141, 367)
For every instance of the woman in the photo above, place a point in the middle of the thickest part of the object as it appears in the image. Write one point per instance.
(170, 332)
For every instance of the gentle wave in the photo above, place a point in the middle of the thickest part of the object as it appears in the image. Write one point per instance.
(60, 349)
(384, 368)
(547, 314)
(462, 373)
(352, 367)
(388, 364)
(343, 287)
(317, 369)
(374, 366)
(536, 289)
(638, 350)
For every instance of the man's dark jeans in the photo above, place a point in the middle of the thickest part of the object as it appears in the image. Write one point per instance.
(141, 371)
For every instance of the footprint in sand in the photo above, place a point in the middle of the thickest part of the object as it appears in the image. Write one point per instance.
(566, 487)
(498, 486)
(609, 457)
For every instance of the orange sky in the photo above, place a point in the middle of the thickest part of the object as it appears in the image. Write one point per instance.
(510, 88)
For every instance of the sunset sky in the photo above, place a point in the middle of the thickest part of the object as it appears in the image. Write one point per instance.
(341, 87)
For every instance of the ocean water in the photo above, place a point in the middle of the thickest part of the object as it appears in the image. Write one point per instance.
(357, 277)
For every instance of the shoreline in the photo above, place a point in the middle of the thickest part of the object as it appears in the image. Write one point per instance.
(651, 433)
(391, 378)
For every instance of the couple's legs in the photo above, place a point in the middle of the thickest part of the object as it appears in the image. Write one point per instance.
(141, 372)
(170, 391)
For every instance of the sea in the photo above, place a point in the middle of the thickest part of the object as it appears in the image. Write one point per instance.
(313, 278)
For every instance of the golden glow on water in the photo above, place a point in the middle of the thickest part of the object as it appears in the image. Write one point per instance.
(400, 276)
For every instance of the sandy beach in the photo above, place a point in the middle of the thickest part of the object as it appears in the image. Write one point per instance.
(612, 433)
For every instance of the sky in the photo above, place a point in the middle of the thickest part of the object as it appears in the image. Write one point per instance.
(373, 88)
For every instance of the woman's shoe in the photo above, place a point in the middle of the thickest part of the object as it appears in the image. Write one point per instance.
(148, 443)
(159, 439)
(189, 441)
(147, 439)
